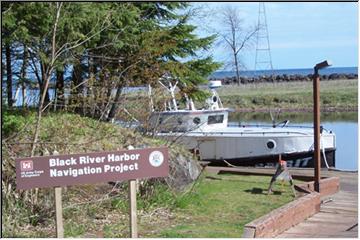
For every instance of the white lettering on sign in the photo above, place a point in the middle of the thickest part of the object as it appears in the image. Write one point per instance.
(121, 168)
(123, 157)
(85, 168)
(75, 172)
(87, 160)
(55, 162)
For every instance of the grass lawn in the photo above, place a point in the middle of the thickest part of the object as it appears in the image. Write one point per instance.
(219, 206)
(341, 94)
(216, 206)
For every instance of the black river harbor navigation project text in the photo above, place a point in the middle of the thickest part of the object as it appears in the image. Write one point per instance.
(126, 163)
(71, 169)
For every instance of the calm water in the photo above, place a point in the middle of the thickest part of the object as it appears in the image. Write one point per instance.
(344, 125)
(32, 95)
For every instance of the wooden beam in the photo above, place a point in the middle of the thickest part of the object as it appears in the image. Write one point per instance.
(133, 209)
(58, 211)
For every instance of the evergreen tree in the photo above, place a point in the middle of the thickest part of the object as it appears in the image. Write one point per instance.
(106, 46)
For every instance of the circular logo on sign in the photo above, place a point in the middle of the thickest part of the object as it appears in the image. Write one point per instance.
(156, 158)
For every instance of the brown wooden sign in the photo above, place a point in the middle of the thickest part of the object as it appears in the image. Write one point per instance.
(83, 168)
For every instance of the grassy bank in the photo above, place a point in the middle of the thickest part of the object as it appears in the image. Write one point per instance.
(294, 117)
(336, 95)
(221, 205)
(215, 206)
(31, 214)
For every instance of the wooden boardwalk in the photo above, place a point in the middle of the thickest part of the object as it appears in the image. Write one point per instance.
(338, 218)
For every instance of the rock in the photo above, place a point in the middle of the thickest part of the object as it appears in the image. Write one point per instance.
(352, 76)
(286, 77)
(184, 169)
(333, 76)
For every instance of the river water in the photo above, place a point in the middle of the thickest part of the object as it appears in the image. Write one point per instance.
(344, 125)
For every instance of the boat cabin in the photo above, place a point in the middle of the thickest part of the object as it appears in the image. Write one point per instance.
(189, 120)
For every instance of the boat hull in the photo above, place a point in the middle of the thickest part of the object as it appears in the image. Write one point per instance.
(248, 146)
(303, 159)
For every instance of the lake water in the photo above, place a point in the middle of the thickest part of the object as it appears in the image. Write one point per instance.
(344, 125)
(32, 95)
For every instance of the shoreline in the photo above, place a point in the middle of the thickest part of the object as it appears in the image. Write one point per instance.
(278, 78)
(335, 96)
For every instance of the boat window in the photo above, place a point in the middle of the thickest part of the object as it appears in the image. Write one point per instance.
(197, 120)
(271, 144)
(214, 99)
(212, 119)
(180, 121)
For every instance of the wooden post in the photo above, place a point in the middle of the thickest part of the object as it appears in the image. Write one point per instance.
(317, 163)
(133, 209)
(316, 92)
(58, 211)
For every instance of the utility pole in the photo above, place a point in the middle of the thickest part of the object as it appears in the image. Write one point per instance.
(263, 55)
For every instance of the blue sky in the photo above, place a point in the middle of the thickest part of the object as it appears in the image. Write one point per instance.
(301, 34)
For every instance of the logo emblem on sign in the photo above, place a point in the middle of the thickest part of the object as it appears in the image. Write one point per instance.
(26, 165)
(156, 158)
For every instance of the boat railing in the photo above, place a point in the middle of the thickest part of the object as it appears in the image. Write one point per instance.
(233, 124)
(250, 133)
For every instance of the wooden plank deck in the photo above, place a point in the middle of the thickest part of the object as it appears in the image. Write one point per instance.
(337, 218)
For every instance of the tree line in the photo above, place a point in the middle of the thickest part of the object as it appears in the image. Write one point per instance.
(97, 49)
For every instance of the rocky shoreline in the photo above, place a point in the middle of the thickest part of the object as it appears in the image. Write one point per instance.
(285, 78)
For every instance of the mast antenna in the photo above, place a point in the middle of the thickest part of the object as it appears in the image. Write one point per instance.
(263, 54)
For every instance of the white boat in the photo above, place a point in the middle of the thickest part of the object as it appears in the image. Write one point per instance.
(207, 132)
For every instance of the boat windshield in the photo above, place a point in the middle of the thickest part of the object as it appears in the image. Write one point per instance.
(212, 119)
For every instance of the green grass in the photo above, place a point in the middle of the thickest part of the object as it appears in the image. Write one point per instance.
(340, 94)
(216, 207)
(294, 117)
(220, 206)
(67, 133)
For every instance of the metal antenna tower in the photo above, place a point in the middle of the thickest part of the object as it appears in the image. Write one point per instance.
(263, 54)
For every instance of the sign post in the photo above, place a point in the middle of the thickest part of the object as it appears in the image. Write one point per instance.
(133, 206)
(58, 212)
(58, 209)
(133, 209)
(85, 168)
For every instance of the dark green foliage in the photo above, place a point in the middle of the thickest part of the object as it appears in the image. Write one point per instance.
(13, 120)
(109, 46)
(99, 47)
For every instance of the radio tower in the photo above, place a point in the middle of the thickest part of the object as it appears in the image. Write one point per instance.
(263, 55)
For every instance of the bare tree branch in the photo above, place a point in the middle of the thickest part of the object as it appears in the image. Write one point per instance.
(246, 39)
(234, 36)
(47, 80)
